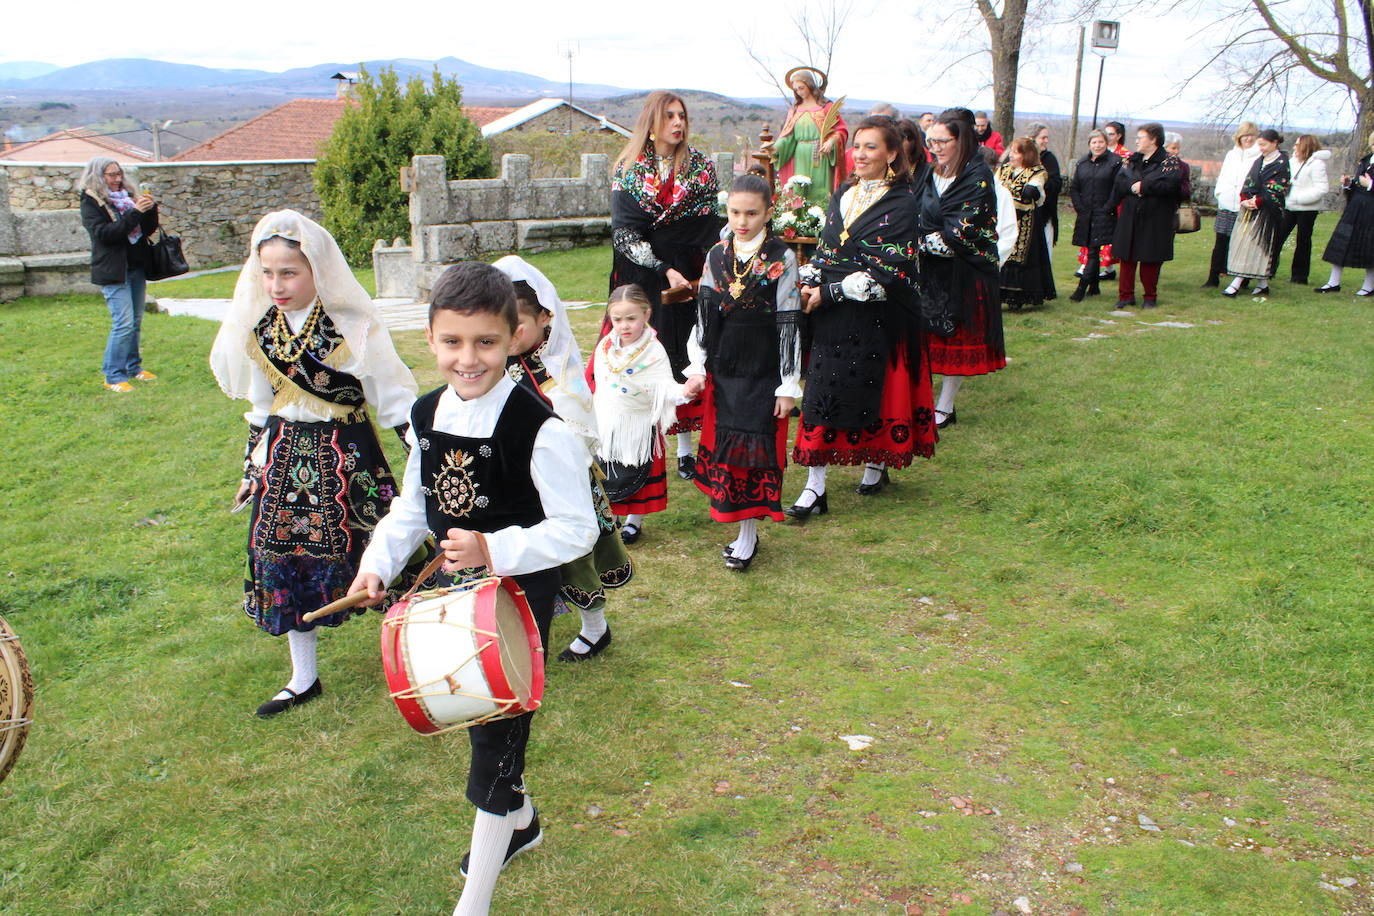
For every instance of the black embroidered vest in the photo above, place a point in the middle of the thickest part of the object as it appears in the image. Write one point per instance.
(480, 484)
(746, 303)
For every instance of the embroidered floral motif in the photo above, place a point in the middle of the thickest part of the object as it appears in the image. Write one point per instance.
(454, 488)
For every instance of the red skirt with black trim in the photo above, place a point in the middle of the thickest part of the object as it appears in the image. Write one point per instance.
(905, 427)
(652, 497)
(966, 351)
(689, 417)
(739, 493)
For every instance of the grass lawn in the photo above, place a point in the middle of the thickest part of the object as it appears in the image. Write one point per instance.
(1131, 590)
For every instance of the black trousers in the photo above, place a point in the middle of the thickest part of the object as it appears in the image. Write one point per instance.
(1303, 221)
(496, 775)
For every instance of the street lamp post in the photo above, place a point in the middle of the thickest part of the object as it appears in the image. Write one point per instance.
(1106, 36)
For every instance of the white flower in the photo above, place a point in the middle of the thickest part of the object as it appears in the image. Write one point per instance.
(802, 180)
(815, 211)
(785, 218)
(723, 197)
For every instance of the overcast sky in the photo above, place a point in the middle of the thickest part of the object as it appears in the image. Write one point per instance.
(886, 51)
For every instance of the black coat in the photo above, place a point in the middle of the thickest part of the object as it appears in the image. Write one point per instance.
(1054, 186)
(1092, 188)
(1352, 241)
(111, 253)
(1145, 225)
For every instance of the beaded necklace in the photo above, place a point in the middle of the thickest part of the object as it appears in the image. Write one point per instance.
(283, 339)
(630, 360)
(736, 275)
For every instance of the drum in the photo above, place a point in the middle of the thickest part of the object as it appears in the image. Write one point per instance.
(461, 656)
(16, 698)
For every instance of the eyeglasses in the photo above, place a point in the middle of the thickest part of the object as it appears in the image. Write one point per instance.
(933, 143)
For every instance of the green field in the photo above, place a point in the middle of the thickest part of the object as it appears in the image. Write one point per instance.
(1135, 581)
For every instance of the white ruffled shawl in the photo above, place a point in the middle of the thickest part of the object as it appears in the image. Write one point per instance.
(635, 403)
(572, 399)
(367, 350)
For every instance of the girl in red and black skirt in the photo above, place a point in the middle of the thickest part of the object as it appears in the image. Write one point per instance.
(636, 398)
(868, 398)
(959, 272)
(746, 363)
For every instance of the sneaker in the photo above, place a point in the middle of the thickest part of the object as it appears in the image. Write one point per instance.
(146, 376)
(520, 841)
(121, 387)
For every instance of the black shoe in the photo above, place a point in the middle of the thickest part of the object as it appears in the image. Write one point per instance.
(802, 513)
(740, 564)
(629, 534)
(1230, 293)
(1259, 291)
(520, 841)
(272, 707)
(1364, 292)
(1078, 272)
(593, 650)
(950, 419)
(1149, 304)
(1124, 304)
(1328, 288)
(1109, 275)
(687, 467)
(1078, 294)
(869, 489)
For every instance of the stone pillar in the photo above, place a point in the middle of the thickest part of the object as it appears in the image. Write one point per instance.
(9, 234)
(515, 175)
(428, 197)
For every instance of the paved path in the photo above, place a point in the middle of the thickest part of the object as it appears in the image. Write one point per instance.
(399, 314)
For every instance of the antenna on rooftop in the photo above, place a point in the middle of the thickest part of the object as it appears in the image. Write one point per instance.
(569, 49)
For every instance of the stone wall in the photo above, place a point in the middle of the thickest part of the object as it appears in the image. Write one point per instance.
(213, 206)
(459, 220)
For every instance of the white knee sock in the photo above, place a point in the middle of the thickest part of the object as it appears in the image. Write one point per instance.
(684, 444)
(815, 487)
(872, 474)
(303, 646)
(1335, 276)
(1235, 285)
(949, 387)
(1368, 280)
(743, 545)
(593, 628)
(634, 519)
(491, 835)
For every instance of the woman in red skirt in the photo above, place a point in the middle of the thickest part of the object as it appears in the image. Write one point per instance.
(868, 398)
(959, 272)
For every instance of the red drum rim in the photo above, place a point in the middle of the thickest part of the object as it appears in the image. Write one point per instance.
(491, 655)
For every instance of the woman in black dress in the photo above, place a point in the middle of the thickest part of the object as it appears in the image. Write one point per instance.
(663, 221)
(1094, 182)
(1148, 188)
(1352, 241)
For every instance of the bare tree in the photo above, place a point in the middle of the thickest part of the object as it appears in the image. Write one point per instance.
(1286, 53)
(818, 25)
(1005, 31)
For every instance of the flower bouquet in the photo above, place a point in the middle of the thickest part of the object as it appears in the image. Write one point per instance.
(795, 219)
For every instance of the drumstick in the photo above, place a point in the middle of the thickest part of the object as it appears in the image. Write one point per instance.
(357, 598)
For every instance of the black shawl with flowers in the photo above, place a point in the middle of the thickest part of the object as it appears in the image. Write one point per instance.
(661, 224)
(965, 216)
(852, 342)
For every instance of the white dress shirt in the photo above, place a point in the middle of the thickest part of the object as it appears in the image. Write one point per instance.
(558, 466)
(390, 402)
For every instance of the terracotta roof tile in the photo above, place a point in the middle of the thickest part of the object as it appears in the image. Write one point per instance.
(119, 148)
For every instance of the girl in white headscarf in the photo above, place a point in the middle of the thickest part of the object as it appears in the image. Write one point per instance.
(548, 363)
(304, 345)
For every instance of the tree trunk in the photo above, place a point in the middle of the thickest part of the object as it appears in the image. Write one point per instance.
(1004, 33)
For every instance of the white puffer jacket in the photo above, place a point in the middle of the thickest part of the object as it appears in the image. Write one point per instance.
(1234, 168)
(1310, 183)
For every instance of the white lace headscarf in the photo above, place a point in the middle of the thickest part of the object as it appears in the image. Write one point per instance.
(371, 352)
(572, 399)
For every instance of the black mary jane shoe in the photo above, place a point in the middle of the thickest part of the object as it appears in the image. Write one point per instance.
(687, 467)
(802, 513)
(1364, 293)
(740, 564)
(273, 707)
(629, 534)
(520, 841)
(593, 648)
(1230, 292)
(950, 419)
(1327, 288)
(869, 489)
(1259, 292)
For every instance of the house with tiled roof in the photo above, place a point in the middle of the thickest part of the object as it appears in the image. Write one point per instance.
(76, 144)
(296, 130)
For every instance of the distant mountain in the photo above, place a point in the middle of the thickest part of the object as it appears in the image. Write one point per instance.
(24, 69)
(137, 73)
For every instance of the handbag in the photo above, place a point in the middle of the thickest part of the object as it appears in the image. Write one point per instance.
(1186, 219)
(165, 258)
(625, 480)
